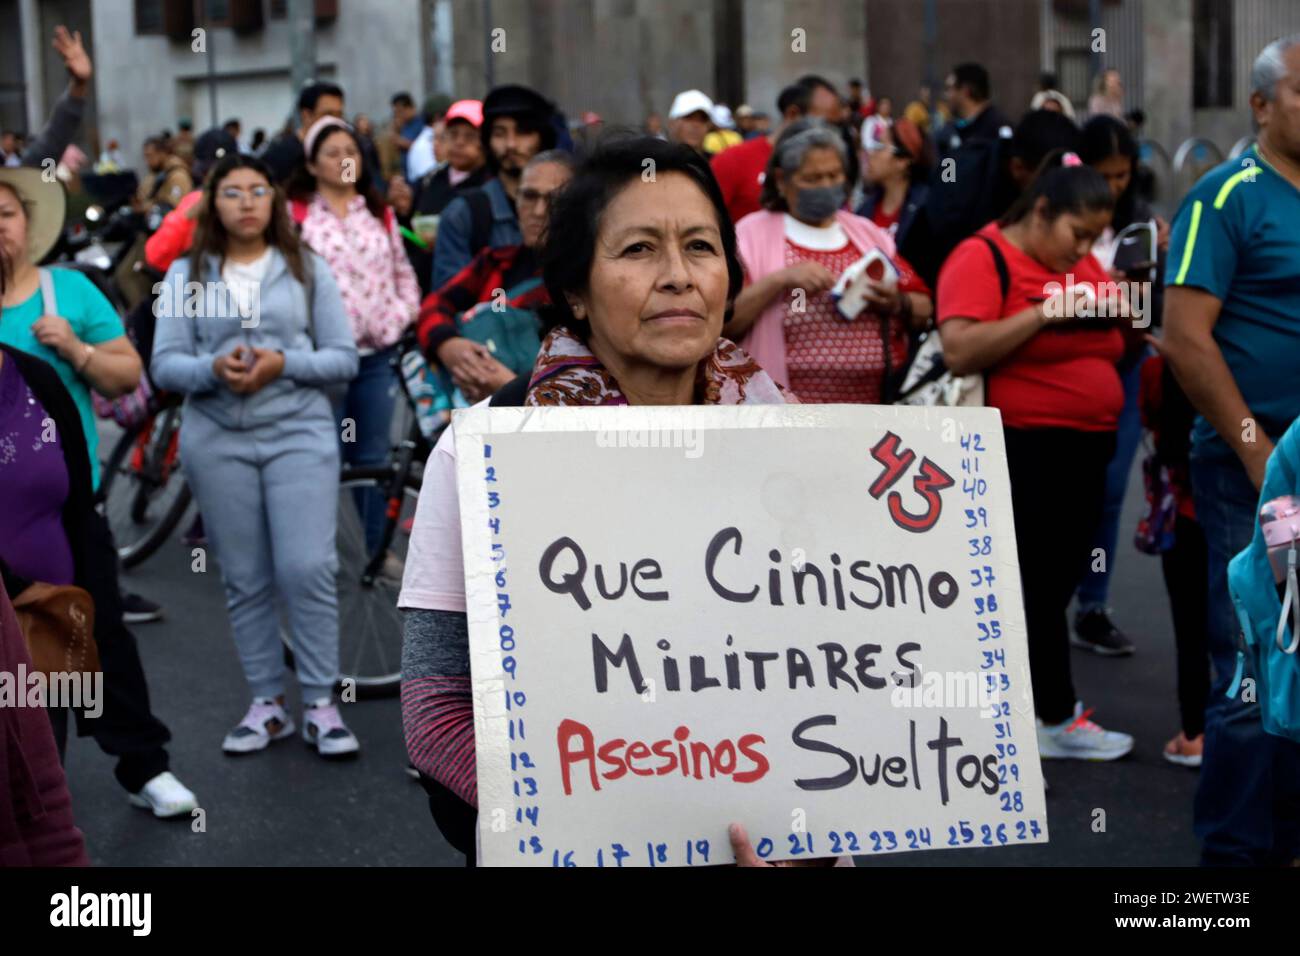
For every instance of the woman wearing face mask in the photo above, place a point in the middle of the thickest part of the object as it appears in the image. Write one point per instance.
(1050, 366)
(344, 220)
(253, 358)
(794, 251)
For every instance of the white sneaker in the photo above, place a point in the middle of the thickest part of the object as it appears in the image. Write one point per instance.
(323, 728)
(1080, 739)
(166, 797)
(265, 721)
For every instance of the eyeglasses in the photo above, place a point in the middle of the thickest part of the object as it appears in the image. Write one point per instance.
(875, 146)
(533, 196)
(232, 194)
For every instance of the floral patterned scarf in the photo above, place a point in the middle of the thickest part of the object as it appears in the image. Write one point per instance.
(566, 373)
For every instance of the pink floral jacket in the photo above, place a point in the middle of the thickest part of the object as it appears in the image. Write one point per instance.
(378, 285)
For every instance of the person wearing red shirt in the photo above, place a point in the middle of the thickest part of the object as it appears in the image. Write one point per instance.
(1025, 302)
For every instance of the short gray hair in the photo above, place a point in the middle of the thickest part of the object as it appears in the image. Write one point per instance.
(558, 156)
(795, 143)
(1270, 66)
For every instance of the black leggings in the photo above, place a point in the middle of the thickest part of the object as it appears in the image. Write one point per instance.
(127, 729)
(1058, 486)
(1184, 569)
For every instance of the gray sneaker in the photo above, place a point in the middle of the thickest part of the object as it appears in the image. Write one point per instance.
(1080, 739)
(323, 728)
(265, 721)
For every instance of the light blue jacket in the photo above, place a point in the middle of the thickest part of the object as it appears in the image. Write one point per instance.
(317, 343)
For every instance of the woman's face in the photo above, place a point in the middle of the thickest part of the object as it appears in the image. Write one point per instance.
(657, 291)
(338, 161)
(1060, 243)
(13, 226)
(882, 162)
(244, 199)
(1118, 171)
(821, 167)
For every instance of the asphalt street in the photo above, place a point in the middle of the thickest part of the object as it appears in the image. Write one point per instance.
(287, 806)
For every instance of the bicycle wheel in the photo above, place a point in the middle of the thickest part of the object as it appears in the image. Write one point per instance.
(144, 492)
(370, 626)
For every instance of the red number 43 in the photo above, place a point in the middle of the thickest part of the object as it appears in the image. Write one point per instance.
(931, 480)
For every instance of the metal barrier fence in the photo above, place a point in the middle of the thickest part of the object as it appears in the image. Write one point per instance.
(1174, 176)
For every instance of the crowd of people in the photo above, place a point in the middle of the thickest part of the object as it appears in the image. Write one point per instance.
(499, 213)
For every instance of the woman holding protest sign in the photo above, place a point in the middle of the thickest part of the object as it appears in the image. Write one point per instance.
(641, 272)
(795, 318)
(259, 444)
(1024, 301)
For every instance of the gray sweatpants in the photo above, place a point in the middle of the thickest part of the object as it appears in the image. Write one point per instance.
(269, 497)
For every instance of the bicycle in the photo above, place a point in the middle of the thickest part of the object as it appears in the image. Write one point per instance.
(369, 580)
(144, 492)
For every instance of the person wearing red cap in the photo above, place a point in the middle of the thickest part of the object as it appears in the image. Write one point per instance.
(465, 169)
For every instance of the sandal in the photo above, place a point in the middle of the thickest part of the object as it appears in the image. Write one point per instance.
(1185, 752)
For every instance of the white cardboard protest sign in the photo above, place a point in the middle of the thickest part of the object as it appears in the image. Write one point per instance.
(806, 619)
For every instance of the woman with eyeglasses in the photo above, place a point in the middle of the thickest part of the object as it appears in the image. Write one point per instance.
(795, 250)
(897, 164)
(252, 330)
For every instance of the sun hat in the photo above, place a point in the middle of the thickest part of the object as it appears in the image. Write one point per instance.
(46, 204)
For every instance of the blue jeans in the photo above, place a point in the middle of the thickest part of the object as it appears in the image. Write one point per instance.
(370, 401)
(1094, 590)
(1247, 808)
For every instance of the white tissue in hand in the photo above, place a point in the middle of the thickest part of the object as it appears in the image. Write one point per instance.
(850, 293)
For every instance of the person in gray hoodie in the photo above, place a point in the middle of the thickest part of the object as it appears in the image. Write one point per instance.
(252, 330)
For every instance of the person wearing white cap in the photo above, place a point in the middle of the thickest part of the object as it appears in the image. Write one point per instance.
(689, 119)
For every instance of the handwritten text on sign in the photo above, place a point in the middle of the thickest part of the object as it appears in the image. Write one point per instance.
(803, 619)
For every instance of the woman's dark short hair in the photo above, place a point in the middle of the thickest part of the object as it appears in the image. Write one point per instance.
(569, 248)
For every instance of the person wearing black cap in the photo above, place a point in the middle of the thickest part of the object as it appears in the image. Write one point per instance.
(518, 123)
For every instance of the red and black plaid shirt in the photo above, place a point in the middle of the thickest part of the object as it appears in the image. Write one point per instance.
(491, 269)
